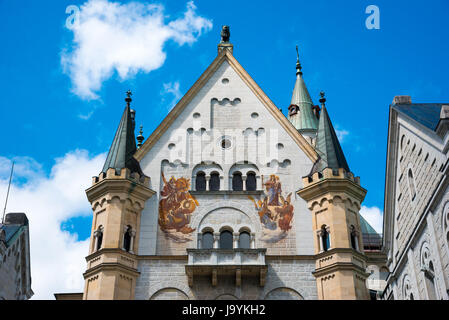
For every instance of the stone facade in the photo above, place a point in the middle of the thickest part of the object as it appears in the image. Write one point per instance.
(15, 274)
(416, 203)
(219, 215)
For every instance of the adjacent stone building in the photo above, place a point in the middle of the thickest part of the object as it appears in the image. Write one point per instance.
(229, 199)
(15, 273)
(416, 219)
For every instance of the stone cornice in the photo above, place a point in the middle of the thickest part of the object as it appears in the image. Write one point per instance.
(329, 252)
(334, 187)
(110, 250)
(110, 266)
(115, 187)
(338, 266)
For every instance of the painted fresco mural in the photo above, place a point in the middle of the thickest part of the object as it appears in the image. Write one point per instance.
(176, 206)
(275, 211)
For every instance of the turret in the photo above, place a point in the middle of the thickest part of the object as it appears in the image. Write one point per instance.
(117, 196)
(334, 197)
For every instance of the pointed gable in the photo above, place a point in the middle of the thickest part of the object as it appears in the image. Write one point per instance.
(225, 55)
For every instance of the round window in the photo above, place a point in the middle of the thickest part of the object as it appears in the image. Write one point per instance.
(225, 143)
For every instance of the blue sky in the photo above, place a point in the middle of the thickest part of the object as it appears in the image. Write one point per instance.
(44, 118)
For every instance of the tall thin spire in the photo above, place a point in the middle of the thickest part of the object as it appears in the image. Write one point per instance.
(327, 144)
(298, 64)
(121, 153)
(7, 193)
(301, 113)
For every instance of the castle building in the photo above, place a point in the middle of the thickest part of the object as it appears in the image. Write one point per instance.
(15, 273)
(230, 199)
(416, 218)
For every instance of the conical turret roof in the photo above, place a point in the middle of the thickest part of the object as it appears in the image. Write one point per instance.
(328, 147)
(305, 119)
(121, 153)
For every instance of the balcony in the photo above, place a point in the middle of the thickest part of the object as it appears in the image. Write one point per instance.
(215, 262)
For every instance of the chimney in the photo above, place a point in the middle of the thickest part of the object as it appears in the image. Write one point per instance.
(402, 100)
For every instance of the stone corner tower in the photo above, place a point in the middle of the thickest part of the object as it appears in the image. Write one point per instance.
(117, 197)
(334, 197)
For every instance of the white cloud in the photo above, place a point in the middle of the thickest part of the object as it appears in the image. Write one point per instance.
(374, 216)
(171, 88)
(57, 257)
(341, 134)
(123, 38)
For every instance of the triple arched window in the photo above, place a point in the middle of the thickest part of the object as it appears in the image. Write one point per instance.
(226, 239)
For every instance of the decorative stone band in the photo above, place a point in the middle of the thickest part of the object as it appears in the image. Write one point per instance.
(125, 173)
(329, 173)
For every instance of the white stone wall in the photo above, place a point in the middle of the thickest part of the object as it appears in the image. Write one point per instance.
(285, 279)
(233, 109)
(418, 223)
(11, 268)
(420, 153)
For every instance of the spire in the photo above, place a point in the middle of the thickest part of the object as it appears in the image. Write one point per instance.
(301, 113)
(298, 64)
(124, 144)
(327, 144)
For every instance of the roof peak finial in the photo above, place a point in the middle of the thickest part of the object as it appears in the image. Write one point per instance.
(224, 43)
(128, 97)
(323, 99)
(298, 64)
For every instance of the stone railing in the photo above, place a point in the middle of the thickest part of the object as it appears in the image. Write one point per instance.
(222, 257)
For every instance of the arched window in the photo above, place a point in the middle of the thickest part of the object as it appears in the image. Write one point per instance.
(353, 238)
(237, 181)
(214, 182)
(411, 183)
(200, 182)
(429, 272)
(208, 240)
(430, 282)
(98, 234)
(407, 288)
(445, 220)
(244, 240)
(325, 238)
(251, 181)
(127, 239)
(226, 240)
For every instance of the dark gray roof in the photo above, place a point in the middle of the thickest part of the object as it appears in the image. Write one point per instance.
(366, 227)
(121, 153)
(427, 114)
(12, 224)
(328, 147)
(16, 218)
(10, 230)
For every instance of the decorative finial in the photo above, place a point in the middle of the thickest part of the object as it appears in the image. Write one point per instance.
(140, 137)
(128, 97)
(323, 99)
(225, 34)
(298, 64)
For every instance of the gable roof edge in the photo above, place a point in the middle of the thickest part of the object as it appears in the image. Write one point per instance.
(187, 98)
